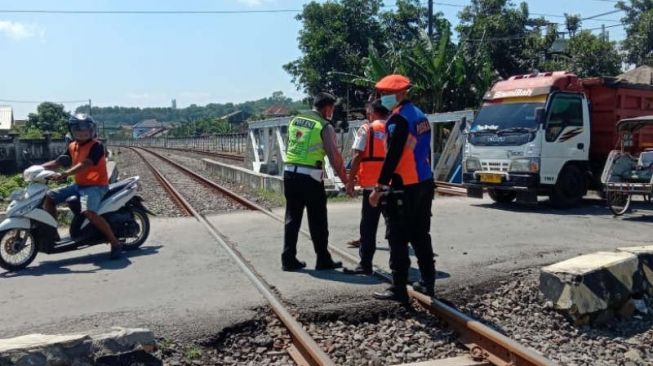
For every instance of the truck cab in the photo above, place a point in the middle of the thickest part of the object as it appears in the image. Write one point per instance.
(531, 137)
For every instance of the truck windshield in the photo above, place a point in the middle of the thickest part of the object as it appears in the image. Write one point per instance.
(500, 117)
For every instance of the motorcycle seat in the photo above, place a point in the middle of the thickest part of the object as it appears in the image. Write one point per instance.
(117, 187)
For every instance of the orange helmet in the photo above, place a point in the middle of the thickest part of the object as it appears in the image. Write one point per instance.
(393, 83)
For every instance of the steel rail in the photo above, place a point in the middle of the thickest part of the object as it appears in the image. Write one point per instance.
(483, 342)
(235, 157)
(223, 190)
(185, 209)
(306, 351)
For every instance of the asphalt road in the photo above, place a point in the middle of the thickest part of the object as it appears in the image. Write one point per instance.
(182, 284)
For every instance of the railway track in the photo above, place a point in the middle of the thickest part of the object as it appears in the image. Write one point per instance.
(483, 343)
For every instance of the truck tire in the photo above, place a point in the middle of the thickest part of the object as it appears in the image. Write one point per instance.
(569, 189)
(500, 196)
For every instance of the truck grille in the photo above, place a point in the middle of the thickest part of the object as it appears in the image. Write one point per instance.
(497, 166)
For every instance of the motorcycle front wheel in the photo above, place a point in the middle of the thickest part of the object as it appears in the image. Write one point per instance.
(17, 249)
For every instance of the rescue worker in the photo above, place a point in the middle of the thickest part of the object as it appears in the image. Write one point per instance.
(368, 154)
(311, 137)
(89, 167)
(406, 184)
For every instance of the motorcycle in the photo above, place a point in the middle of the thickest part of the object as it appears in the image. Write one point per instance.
(28, 229)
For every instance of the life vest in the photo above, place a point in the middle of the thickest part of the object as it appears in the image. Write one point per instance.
(94, 175)
(369, 169)
(305, 146)
(415, 163)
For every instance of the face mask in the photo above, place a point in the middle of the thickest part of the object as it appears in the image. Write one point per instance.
(389, 101)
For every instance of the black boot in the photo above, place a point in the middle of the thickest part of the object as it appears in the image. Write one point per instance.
(326, 265)
(425, 287)
(398, 290)
(294, 265)
(360, 269)
(394, 293)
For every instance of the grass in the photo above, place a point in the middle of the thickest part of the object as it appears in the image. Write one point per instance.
(275, 199)
(193, 352)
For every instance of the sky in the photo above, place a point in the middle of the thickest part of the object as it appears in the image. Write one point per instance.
(147, 60)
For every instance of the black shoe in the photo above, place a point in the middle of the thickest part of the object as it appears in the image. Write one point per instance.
(392, 294)
(424, 288)
(116, 252)
(359, 270)
(327, 265)
(293, 266)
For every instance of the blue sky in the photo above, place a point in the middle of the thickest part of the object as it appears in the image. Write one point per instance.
(146, 60)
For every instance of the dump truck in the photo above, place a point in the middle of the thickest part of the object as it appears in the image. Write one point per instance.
(549, 134)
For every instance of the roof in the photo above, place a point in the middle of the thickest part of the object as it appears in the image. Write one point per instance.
(232, 114)
(148, 123)
(6, 117)
(638, 75)
(634, 124)
(153, 132)
(531, 85)
(277, 110)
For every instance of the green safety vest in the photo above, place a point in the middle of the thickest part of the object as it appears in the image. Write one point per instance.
(305, 145)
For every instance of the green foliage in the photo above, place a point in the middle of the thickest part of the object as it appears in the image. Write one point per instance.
(588, 55)
(638, 44)
(9, 184)
(48, 117)
(335, 37)
(202, 127)
(30, 133)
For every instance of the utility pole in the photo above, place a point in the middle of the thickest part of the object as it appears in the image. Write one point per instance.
(430, 29)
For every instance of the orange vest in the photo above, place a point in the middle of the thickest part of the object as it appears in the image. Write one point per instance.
(369, 169)
(94, 175)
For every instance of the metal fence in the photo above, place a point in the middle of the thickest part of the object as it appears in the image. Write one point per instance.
(232, 143)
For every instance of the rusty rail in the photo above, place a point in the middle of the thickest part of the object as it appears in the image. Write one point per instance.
(235, 157)
(304, 351)
(483, 342)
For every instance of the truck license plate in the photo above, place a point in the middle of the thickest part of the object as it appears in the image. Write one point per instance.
(490, 178)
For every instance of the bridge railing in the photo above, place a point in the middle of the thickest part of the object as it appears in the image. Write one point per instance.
(235, 143)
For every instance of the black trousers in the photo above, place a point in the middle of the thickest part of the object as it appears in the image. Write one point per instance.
(302, 191)
(369, 224)
(409, 221)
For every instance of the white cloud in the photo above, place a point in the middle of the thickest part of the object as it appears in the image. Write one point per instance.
(19, 31)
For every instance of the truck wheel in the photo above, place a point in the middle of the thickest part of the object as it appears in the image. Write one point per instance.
(569, 189)
(500, 196)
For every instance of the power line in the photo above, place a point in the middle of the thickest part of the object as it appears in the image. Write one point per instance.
(41, 101)
(602, 14)
(144, 12)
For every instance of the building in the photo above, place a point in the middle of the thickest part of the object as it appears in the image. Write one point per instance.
(236, 118)
(145, 128)
(276, 111)
(6, 118)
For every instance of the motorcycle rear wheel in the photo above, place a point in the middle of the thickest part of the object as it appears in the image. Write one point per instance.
(18, 248)
(143, 222)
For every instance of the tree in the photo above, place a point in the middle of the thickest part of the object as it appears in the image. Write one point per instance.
(502, 33)
(50, 117)
(589, 55)
(572, 23)
(334, 38)
(638, 44)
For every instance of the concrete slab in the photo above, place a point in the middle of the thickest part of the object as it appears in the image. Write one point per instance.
(644, 253)
(590, 283)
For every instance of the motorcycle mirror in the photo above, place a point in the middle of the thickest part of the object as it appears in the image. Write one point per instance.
(64, 160)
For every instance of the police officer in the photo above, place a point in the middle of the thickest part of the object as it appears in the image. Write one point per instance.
(368, 154)
(406, 182)
(310, 138)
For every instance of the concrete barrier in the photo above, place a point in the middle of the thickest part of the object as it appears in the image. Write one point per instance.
(249, 178)
(587, 287)
(119, 346)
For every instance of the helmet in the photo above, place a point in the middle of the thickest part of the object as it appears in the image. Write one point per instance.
(81, 122)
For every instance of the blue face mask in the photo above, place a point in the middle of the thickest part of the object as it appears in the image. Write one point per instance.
(389, 101)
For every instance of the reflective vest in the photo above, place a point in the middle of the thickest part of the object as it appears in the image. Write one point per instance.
(305, 145)
(94, 175)
(369, 169)
(415, 163)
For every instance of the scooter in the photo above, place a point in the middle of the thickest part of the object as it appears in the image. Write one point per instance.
(28, 229)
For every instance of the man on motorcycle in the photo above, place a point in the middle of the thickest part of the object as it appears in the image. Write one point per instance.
(89, 167)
